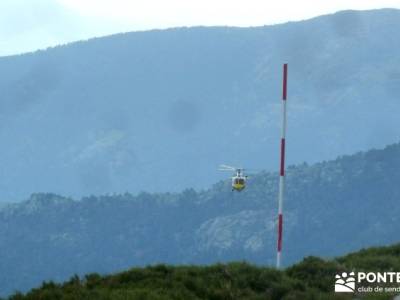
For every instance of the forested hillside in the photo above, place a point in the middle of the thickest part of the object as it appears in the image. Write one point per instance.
(158, 111)
(331, 208)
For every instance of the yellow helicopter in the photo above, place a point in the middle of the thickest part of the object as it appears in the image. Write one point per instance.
(238, 180)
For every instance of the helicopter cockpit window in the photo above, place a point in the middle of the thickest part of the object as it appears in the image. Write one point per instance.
(239, 181)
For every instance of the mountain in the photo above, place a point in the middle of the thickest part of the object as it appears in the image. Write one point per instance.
(331, 208)
(313, 278)
(159, 110)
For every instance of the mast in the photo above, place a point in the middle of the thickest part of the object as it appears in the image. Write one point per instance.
(282, 169)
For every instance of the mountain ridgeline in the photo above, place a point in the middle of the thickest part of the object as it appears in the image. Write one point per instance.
(331, 208)
(158, 111)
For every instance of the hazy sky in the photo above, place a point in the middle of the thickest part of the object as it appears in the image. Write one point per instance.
(27, 25)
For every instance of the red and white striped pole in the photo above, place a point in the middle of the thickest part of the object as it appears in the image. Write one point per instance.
(282, 169)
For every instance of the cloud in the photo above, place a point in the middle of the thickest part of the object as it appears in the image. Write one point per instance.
(160, 14)
(30, 25)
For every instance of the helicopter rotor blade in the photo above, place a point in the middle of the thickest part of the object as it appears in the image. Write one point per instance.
(252, 170)
(226, 168)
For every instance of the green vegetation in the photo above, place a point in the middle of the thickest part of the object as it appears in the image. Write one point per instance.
(313, 278)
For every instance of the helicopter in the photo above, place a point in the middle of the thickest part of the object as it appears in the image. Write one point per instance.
(238, 180)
